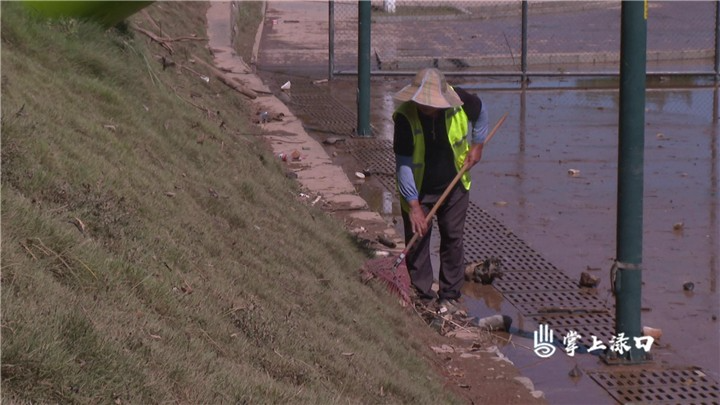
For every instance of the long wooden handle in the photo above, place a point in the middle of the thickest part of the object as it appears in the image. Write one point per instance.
(449, 188)
(497, 126)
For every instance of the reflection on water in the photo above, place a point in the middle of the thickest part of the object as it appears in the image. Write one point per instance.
(570, 220)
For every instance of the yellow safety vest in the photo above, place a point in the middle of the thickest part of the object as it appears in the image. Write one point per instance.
(456, 123)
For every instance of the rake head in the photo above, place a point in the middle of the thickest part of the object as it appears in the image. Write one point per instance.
(397, 278)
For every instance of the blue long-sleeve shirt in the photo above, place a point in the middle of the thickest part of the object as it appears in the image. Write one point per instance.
(403, 142)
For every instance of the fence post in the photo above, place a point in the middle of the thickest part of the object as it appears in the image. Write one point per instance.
(627, 269)
(717, 41)
(363, 107)
(524, 41)
(331, 39)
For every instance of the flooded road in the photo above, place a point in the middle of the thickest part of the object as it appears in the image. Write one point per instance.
(550, 176)
(525, 181)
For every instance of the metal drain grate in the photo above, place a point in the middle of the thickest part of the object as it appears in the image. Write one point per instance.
(316, 107)
(374, 154)
(387, 181)
(322, 111)
(377, 156)
(668, 386)
(485, 236)
(538, 303)
(515, 276)
(515, 255)
(534, 284)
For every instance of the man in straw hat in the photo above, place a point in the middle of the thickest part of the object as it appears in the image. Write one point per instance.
(434, 127)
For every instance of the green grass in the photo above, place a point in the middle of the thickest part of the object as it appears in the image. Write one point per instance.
(200, 277)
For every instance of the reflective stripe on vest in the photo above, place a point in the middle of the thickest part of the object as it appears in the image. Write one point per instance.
(456, 123)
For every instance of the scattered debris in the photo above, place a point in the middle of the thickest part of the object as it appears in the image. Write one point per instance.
(530, 386)
(495, 322)
(570, 310)
(485, 271)
(500, 203)
(387, 242)
(689, 286)
(678, 226)
(285, 86)
(186, 288)
(333, 140)
(166, 62)
(78, 224)
(358, 230)
(653, 332)
(464, 335)
(574, 172)
(588, 281)
(442, 349)
(227, 80)
(575, 372)
(359, 175)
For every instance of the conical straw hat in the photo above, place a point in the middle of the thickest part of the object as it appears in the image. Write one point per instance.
(430, 88)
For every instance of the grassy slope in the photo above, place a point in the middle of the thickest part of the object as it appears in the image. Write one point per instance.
(200, 278)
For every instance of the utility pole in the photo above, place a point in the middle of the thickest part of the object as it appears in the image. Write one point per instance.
(627, 270)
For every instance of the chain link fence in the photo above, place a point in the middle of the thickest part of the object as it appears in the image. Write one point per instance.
(491, 38)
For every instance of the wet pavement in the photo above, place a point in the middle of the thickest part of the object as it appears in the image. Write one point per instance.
(525, 183)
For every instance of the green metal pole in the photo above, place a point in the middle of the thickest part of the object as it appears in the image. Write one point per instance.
(627, 272)
(717, 41)
(363, 100)
(331, 39)
(524, 41)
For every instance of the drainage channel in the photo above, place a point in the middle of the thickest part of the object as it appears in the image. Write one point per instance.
(317, 108)
(666, 386)
(535, 287)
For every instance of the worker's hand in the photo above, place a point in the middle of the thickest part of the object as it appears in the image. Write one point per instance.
(474, 155)
(417, 218)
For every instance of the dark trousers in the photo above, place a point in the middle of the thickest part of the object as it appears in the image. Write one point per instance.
(451, 223)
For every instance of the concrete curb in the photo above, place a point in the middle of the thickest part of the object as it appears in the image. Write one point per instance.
(315, 171)
(490, 61)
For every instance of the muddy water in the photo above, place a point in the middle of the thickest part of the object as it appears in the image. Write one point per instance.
(570, 220)
(524, 182)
